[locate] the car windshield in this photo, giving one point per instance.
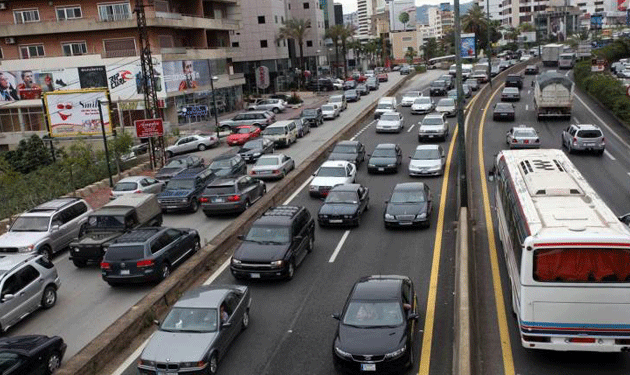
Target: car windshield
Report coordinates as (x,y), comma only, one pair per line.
(252,145)
(219,190)
(30,224)
(186,319)
(426,154)
(244,130)
(390,117)
(471,82)
(432,121)
(274,131)
(422,100)
(341,149)
(177,163)
(589,134)
(510,90)
(267,161)
(384,106)
(328,108)
(183,184)
(124,253)
(220,164)
(332,172)
(336,99)
(437,83)
(351,93)
(525,133)
(373,314)
(384,153)
(347,197)
(310,112)
(408,196)
(412,93)
(503,107)
(446,103)
(273,234)
(125,186)
(105,221)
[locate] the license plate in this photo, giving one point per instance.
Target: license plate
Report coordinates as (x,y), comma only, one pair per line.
(161,373)
(381,169)
(589,144)
(504,114)
(171,207)
(431,136)
(405,223)
(254,275)
(368,366)
(124,272)
(526,141)
(336,221)
(218,200)
(264,172)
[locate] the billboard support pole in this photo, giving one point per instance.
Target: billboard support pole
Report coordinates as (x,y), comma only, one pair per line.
(461,136)
(489,44)
(52,146)
(109,170)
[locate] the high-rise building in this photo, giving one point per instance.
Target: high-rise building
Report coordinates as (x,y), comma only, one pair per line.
(365,10)
(328,8)
(338,14)
(50,46)
(496,7)
(435,21)
(351,19)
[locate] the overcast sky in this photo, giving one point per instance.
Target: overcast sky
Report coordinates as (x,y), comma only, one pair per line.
(350,6)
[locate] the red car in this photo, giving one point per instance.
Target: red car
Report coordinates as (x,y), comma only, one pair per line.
(243,134)
(382,77)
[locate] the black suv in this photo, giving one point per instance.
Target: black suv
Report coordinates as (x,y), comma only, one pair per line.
(438,88)
(322,84)
(228,165)
(313,116)
(31,354)
(514,80)
(182,192)
(277,242)
(148,254)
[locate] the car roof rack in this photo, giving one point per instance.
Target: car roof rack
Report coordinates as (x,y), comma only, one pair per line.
(139,235)
(287,211)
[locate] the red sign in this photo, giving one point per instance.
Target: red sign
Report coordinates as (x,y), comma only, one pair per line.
(149,128)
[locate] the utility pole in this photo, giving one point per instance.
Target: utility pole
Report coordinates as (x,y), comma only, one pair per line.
(148,83)
(461,136)
(488,45)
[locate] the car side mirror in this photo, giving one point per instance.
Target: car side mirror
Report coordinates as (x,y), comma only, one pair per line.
(491,174)
(241,237)
(298,238)
(54,228)
(156,322)
(7,297)
(336,316)
(413,315)
(625,219)
(226,325)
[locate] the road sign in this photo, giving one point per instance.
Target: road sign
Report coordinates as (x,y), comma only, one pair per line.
(262,77)
(148,128)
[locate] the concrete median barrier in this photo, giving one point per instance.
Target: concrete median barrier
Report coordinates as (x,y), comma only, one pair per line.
(139,318)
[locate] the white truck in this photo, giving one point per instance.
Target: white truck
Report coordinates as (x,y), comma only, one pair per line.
(553,95)
(551,54)
(584,50)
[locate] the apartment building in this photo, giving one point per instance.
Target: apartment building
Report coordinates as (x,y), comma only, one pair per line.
(47,46)
(338,13)
(351,19)
(365,11)
(314,40)
(435,22)
(496,8)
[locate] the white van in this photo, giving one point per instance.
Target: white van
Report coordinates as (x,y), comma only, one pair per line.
(282,132)
(385,104)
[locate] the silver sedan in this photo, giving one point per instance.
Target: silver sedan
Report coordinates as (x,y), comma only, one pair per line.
(190,143)
(390,122)
(522,137)
(136,184)
(272,166)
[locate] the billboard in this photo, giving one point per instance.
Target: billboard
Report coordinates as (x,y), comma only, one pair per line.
(396,8)
(149,128)
(184,75)
(596,21)
(76,112)
(467,48)
(622,5)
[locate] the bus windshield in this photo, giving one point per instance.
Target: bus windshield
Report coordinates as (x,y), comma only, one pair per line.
(571,265)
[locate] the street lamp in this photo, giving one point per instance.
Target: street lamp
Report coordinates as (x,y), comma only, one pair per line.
(317,68)
(214,104)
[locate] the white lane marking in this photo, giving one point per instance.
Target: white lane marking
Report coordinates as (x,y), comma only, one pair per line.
(529,92)
(609,155)
(217,272)
(411,127)
(567,73)
(603,123)
(576,120)
(362,130)
(339,245)
(295,193)
(527,107)
(131,359)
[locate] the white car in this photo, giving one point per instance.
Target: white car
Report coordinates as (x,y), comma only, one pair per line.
(338,84)
(390,122)
(193,142)
(433,127)
(331,174)
(272,166)
(409,97)
(330,111)
(446,106)
(427,160)
(422,105)
(339,100)
(136,184)
(369,73)
(525,57)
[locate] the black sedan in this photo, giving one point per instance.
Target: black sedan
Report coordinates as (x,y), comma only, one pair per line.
(253,149)
(313,116)
(531,69)
(148,254)
(376,331)
(178,164)
(504,112)
(352,95)
(32,354)
(344,205)
(228,165)
(352,151)
(387,157)
(229,195)
(362,89)
(410,205)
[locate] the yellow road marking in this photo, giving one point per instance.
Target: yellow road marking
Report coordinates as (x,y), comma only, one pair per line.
(506,346)
(427,339)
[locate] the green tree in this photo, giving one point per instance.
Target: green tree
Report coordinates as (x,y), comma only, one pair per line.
(347,32)
(475,21)
(403,17)
(512,34)
(410,54)
(526,27)
(334,33)
(430,49)
(30,155)
(295,29)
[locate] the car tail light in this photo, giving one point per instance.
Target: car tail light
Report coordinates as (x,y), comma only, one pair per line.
(574,140)
(276,171)
(252,172)
(514,140)
(145,263)
(204,200)
(106,266)
(234,198)
(137,192)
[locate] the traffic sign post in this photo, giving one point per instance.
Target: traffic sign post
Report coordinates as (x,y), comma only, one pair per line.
(148,128)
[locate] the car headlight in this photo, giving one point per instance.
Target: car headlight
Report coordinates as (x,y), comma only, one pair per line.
(236,261)
(391,165)
(389,217)
(371,165)
(146,362)
(188,365)
(26,249)
(421,216)
(396,353)
(75,249)
(277,263)
(347,216)
(184,200)
(323,216)
(341,353)
(257,154)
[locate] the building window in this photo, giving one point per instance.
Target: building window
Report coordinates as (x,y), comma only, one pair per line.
(284,42)
(261,19)
(166,41)
(69,13)
(1,54)
(114,12)
(26,15)
(307,5)
(289,6)
(406,39)
(119,47)
(235,44)
(32,51)
(276,19)
(263,44)
(309,43)
(282,19)
(74,48)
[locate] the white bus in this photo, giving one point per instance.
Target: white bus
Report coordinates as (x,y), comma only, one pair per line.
(567,255)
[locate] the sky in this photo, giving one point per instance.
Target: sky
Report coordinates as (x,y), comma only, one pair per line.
(350,6)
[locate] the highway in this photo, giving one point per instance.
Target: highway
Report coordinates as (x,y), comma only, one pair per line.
(86,305)
(291,329)
(500,350)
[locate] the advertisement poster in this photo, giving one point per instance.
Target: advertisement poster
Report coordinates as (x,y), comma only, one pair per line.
(467,48)
(92,77)
(186,75)
(558,28)
(596,21)
(622,5)
(72,113)
(125,78)
(29,84)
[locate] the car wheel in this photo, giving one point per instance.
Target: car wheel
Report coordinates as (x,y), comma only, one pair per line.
(169,154)
(214,364)
(53,362)
(49,298)
(79,263)
(201,147)
(194,205)
(46,251)
(247,205)
(165,271)
(562,142)
(291,270)
(411,359)
(570,148)
(311,243)
(367,206)
(276,110)
(600,152)
(226,128)
(245,320)
(197,246)
(284,173)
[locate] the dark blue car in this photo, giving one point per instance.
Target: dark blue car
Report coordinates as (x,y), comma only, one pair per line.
(182,192)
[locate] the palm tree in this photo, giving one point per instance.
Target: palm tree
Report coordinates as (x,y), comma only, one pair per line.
(429,48)
(526,27)
(474,21)
(346,33)
(410,54)
(295,29)
(334,33)
(403,17)
(512,34)
(358,49)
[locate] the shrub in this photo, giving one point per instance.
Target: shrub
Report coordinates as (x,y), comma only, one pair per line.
(421,68)
(294,99)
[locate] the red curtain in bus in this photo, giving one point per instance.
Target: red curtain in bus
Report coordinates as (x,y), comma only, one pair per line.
(581,265)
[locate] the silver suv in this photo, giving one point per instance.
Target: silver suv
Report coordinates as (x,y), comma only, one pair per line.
(274,105)
(27,282)
(584,137)
(47,228)
(259,118)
